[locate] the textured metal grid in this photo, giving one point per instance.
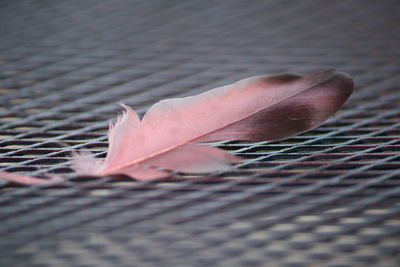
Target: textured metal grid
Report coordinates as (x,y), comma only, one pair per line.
(329,197)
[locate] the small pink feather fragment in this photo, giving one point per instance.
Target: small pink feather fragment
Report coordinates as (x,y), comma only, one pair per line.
(259,108)
(21,179)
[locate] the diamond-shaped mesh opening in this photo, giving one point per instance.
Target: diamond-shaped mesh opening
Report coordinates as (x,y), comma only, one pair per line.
(328,197)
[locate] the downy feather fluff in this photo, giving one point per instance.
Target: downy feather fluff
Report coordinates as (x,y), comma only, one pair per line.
(259,108)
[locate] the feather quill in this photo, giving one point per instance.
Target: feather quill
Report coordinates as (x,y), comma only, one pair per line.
(259,108)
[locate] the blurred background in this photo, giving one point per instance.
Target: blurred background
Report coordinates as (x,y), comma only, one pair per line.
(329,197)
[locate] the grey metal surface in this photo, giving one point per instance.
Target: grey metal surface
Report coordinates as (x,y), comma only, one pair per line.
(328,197)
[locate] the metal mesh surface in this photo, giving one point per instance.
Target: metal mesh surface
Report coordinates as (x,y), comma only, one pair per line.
(328,197)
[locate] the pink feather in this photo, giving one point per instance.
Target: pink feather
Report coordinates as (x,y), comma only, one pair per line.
(254,109)
(257,108)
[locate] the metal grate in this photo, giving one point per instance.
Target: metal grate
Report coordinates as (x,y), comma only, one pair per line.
(328,197)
